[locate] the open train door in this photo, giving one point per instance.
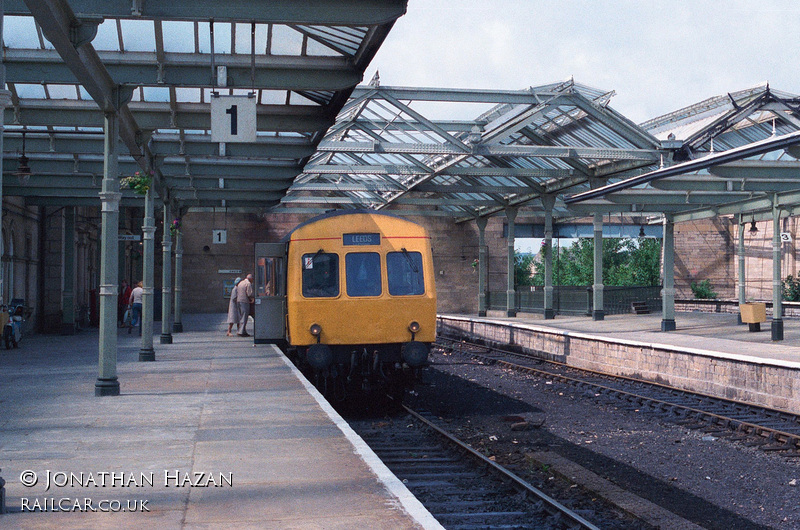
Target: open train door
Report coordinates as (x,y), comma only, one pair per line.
(270,293)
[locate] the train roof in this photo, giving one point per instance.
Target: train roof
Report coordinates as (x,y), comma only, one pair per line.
(337,213)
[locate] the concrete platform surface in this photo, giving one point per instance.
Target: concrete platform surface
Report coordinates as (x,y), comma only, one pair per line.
(217,433)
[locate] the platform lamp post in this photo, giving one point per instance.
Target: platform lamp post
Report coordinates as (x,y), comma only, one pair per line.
(482,265)
(598,312)
(166,287)
(107,383)
(177,324)
(148,353)
(5,102)
(777,287)
(511,293)
(742,292)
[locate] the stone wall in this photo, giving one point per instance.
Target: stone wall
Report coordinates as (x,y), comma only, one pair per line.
(758,381)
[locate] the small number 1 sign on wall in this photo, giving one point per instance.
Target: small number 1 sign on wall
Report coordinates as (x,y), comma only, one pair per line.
(233,119)
(220,237)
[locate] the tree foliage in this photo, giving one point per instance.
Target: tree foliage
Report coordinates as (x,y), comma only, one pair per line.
(625,262)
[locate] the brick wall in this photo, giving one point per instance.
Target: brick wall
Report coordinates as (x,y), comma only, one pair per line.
(704,250)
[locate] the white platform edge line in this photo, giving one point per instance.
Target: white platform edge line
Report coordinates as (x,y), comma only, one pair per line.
(794,365)
(407,500)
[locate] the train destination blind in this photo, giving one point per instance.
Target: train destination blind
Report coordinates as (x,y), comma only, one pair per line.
(361,239)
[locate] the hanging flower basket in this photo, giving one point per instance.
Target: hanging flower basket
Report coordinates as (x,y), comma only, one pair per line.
(138,183)
(175,227)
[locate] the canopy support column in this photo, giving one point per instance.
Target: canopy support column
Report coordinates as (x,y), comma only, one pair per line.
(777,287)
(548,201)
(598,313)
(742,293)
(511,294)
(107,383)
(68,294)
(148,353)
(177,325)
(166,283)
(668,292)
(482,265)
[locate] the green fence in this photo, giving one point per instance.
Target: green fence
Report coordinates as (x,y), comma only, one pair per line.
(570,300)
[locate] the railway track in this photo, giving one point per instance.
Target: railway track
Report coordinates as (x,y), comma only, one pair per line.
(461,488)
(769,429)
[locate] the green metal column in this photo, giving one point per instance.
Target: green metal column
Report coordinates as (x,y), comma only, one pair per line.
(482,265)
(147,353)
(777,287)
(511,294)
(742,292)
(68,294)
(177,325)
(107,383)
(547,248)
(5,101)
(166,283)
(668,292)
(598,313)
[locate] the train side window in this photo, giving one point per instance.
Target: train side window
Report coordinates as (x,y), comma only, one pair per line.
(320,275)
(363,273)
(404,270)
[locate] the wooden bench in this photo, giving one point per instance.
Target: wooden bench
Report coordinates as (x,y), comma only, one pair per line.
(753,315)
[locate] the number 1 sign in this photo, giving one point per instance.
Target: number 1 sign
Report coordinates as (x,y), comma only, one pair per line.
(233,119)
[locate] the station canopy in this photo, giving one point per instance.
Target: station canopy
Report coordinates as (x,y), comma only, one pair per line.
(159,64)
(325,143)
(727,154)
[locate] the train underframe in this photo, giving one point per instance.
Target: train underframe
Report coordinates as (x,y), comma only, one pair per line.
(363,376)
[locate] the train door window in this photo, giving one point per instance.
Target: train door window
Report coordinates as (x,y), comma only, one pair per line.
(363,273)
(404,270)
(268,272)
(320,275)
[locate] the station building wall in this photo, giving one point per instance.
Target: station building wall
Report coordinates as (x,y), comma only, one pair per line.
(705,250)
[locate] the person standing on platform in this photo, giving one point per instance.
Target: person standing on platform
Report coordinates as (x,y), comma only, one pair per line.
(136,307)
(233,310)
(244,297)
(122,302)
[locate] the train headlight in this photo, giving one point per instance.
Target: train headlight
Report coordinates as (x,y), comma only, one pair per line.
(315,330)
(413,327)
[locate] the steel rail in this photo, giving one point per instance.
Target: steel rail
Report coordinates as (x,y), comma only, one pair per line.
(553,504)
(790,440)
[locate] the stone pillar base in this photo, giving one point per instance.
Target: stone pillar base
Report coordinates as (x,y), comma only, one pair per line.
(481,313)
(739,319)
(106,387)
(511,312)
(668,325)
(147,355)
(166,338)
(177,327)
(598,314)
(777,329)
(549,314)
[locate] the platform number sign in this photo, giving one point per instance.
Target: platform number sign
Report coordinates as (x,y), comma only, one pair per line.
(233,119)
(220,237)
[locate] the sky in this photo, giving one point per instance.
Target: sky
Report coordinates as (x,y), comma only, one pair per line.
(658,56)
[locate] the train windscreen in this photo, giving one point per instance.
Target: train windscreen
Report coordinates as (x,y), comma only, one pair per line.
(320,275)
(363,273)
(404,270)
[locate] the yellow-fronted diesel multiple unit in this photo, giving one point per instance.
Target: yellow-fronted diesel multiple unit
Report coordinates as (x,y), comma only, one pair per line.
(360,295)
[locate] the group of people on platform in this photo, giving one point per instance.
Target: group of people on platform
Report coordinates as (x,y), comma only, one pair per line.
(242,298)
(130,302)
(129,306)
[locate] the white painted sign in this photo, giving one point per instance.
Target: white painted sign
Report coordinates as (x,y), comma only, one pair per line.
(129,237)
(786,237)
(229,271)
(220,237)
(233,119)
